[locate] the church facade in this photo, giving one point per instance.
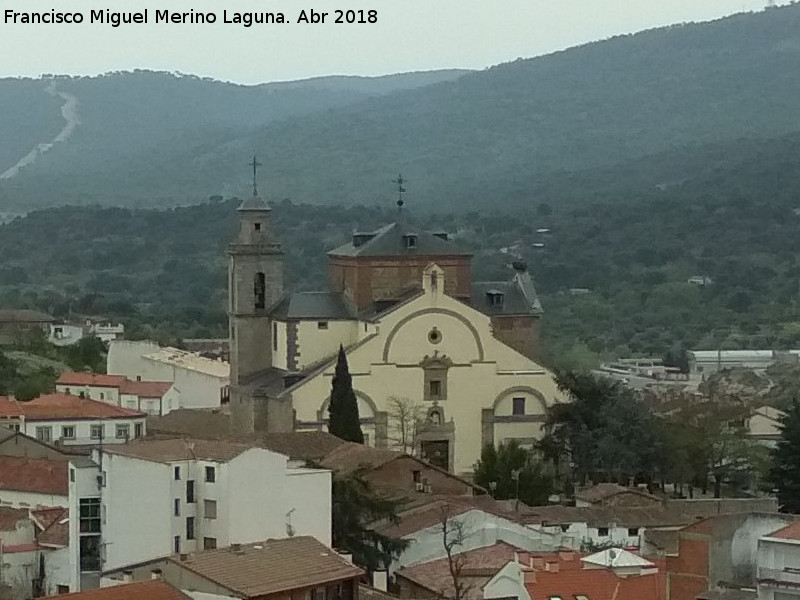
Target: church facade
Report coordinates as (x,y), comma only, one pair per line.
(440,364)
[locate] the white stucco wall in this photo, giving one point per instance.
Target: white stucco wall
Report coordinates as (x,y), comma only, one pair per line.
(509,582)
(17,499)
(484,371)
(315,344)
(99,393)
(83,430)
(309,496)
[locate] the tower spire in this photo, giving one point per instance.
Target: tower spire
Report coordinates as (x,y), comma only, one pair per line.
(255,164)
(400,191)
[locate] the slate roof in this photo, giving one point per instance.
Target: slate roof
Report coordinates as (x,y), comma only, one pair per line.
(390,241)
(150,590)
(37,475)
(171,450)
(313,305)
(514,301)
(267,567)
(63,407)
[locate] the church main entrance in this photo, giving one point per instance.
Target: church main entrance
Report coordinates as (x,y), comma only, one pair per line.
(436,452)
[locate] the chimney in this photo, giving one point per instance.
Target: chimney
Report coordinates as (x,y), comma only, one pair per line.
(380,581)
(155,574)
(236,547)
(127,576)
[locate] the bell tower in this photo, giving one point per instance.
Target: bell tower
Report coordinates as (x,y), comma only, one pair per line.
(255,284)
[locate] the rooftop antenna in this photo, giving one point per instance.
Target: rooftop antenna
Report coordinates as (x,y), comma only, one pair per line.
(400,191)
(255,164)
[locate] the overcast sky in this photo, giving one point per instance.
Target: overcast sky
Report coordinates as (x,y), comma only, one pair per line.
(410,35)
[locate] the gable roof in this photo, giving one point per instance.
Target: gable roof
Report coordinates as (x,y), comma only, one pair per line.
(604,491)
(790,532)
(313,305)
(37,475)
(617,558)
(58,407)
(54,523)
(267,567)
(145,389)
(170,450)
(390,240)
(156,589)
(90,379)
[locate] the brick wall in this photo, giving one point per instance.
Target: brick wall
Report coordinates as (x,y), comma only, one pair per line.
(687,573)
(519,332)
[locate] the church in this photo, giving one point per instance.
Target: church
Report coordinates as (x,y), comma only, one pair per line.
(440,364)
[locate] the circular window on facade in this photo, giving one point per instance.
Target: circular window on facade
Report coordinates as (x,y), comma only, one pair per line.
(434,336)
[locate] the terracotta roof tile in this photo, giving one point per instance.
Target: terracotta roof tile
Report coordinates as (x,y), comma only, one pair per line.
(595,584)
(63,407)
(169,450)
(349,457)
(55,526)
(91,379)
(790,532)
(604,491)
(269,567)
(145,389)
(9,517)
(149,590)
(304,445)
(39,475)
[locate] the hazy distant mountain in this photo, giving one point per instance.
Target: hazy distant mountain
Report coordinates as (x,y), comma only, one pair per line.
(619,112)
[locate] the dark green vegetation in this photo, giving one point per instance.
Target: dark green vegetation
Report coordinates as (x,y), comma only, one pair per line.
(786,469)
(355,507)
(624,115)
(343,408)
(511,472)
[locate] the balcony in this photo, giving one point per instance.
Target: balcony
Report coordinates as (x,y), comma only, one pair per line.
(779,577)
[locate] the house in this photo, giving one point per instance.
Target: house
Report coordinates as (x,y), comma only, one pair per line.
(764,425)
(295,568)
(779,564)
(152,397)
(461,355)
(15,325)
(199,382)
(35,551)
(71,420)
(204,494)
(720,552)
(154,589)
(16,444)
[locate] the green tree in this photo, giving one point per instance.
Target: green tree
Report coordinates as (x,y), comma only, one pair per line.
(510,471)
(343,408)
(8,374)
(785,472)
(86,353)
(355,508)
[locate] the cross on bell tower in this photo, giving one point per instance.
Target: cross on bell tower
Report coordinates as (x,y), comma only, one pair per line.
(255,164)
(400,191)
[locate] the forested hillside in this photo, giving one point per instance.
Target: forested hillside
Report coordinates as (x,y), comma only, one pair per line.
(163,272)
(542,127)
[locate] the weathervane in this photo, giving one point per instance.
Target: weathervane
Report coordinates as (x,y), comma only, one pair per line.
(255,164)
(400,190)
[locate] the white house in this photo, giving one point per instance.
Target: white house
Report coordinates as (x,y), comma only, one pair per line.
(779,564)
(71,420)
(177,496)
(199,382)
(153,397)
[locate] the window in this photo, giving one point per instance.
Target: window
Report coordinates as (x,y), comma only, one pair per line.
(82,394)
(494,298)
(137,430)
(66,391)
(602,531)
(435,389)
(177,507)
(210,509)
(411,241)
(190,491)
(209,543)
(633,531)
(177,472)
(96,432)
(260,290)
(90,552)
(89,515)
(68,432)
(518,406)
(565,528)
(434,336)
(257,226)
(102,396)
(189,528)
(44,434)
(138,378)
(416,476)
(72,475)
(176,545)
(322,324)
(275,335)
(211,474)
(123,431)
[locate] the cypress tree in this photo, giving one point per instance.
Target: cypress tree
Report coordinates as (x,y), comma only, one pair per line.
(343,408)
(786,461)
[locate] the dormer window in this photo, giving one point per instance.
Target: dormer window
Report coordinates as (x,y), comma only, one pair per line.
(411,240)
(495,298)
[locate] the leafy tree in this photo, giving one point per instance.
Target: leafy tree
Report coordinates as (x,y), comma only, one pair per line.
(512,472)
(86,353)
(343,408)
(786,456)
(8,373)
(355,508)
